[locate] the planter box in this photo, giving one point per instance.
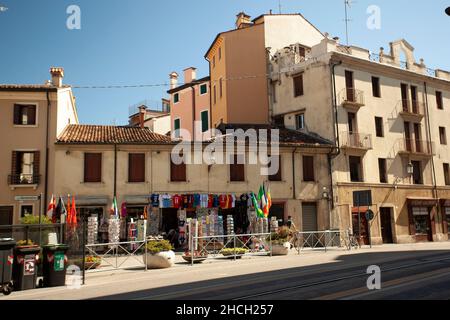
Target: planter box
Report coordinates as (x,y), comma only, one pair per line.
(162,260)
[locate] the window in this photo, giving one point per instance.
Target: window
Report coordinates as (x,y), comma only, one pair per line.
(177,172)
(205,121)
(24,115)
(92,167)
(379,127)
(421,217)
(439,100)
(176,98)
(136,167)
(355,169)
(203,89)
(376,89)
(215,95)
(383,171)
(447,174)
(417,175)
(26,210)
(300,121)
(220,88)
(298,85)
(214,62)
(237,169)
(443,135)
(25,168)
(220,53)
(277,176)
(447,214)
(308,169)
(176,127)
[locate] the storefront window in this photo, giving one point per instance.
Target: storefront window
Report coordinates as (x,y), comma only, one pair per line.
(421,220)
(447,214)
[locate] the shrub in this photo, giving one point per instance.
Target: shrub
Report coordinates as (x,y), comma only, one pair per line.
(233,251)
(154,247)
(31,219)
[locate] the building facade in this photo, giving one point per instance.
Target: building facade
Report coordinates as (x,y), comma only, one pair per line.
(31,118)
(389,120)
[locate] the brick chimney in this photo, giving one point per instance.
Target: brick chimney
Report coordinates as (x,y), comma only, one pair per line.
(57,76)
(242,20)
(142,110)
(173,80)
(190,74)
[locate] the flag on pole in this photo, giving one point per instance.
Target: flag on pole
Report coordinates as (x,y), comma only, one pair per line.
(69,211)
(73,214)
(51,208)
(259,212)
(269,202)
(114,209)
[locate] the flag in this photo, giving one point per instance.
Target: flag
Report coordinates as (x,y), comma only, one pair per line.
(259,212)
(114,208)
(123,209)
(269,198)
(51,208)
(59,211)
(69,211)
(73,214)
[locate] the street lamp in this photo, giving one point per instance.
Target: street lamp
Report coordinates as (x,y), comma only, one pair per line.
(410,168)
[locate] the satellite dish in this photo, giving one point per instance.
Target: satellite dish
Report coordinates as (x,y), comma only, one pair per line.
(447,11)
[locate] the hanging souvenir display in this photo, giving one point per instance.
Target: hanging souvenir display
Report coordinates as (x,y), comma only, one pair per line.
(141,230)
(92,229)
(182,227)
(113,231)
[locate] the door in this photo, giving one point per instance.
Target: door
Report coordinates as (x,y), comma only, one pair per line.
(386,225)
(6,219)
(405,97)
(349,86)
(309,221)
(408,137)
(277,210)
(360,227)
(422,224)
(352,130)
(417,137)
(414,99)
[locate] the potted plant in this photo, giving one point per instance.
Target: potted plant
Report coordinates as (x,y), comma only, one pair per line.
(159,255)
(199,256)
(92,262)
(280,242)
(231,252)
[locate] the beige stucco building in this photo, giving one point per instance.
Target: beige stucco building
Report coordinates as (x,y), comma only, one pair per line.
(31,117)
(388,118)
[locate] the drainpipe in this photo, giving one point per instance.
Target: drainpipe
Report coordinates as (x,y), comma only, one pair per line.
(433,169)
(46,156)
(193,112)
(115,170)
(294,190)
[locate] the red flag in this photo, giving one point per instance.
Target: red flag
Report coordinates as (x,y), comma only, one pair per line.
(69,213)
(51,208)
(73,214)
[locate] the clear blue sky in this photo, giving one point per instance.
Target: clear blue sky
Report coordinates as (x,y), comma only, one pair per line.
(141,41)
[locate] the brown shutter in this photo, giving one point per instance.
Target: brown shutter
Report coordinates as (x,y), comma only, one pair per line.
(93,167)
(14,166)
(177,172)
(17,119)
(298,85)
(277,176)
(237,171)
(36,166)
(308,169)
(31,112)
(136,167)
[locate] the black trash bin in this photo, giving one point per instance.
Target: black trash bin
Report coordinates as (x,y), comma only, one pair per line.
(25,267)
(55,265)
(6,265)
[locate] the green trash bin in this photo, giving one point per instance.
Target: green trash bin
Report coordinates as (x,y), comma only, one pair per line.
(6,265)
(25,267)
(55,265)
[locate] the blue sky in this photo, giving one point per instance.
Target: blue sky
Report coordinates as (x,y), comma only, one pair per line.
(142,41)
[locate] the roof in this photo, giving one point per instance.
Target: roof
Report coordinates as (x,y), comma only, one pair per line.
(30,87)
(287,137)
(188,85)
(94,134)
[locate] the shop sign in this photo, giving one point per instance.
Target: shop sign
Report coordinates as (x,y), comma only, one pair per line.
(58,263)
(26,198)
(370,215)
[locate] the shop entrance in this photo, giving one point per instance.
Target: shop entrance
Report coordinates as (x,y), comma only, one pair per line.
(6,219)
(386,225)
(309,217)
(277,210)
(422,224)
(169,219)
(447,218)
(360,226)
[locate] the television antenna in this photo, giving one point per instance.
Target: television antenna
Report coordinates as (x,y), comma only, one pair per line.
(348,5)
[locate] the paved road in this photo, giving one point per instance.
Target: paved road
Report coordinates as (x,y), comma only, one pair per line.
(416,276)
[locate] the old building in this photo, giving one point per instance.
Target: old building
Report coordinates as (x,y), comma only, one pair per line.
(31,117)
(388,115)
(190,109)
(156,119)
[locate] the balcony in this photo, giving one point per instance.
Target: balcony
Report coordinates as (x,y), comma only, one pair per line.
(411,110)
(352,99)
(23,180)
(412,147)
(359,142)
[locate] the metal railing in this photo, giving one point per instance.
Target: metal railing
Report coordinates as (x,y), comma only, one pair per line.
(411,107)
(352,96)
(356,140)
(23,179)
(37,233)
(416,146)
(205,247)
(323,240)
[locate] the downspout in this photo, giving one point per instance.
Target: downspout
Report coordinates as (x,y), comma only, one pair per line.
(294,190)
(47,134)
(433,169)
(115,170)
(193,113)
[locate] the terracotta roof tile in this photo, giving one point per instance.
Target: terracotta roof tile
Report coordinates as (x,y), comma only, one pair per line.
(94,134)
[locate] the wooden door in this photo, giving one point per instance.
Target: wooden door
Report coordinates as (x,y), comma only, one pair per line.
(405,97)
(408,137)
(349,86)
(417,137)
(386,225)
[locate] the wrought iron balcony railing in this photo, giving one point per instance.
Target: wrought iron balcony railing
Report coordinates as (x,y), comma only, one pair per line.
(356,140)
(352,96)
(24,179)
(408,107)
(416,146)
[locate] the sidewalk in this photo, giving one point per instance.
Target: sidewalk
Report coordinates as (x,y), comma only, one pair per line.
(99,284)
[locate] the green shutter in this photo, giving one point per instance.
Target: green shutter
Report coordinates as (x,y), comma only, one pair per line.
(205,121)
(176,98)
(203,89)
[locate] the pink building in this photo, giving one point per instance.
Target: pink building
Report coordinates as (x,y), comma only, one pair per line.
(190,103)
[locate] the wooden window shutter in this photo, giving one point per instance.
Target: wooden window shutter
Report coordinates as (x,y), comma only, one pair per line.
(36,165)
(277,176)
(93,167)
(237,171)
(17,112)
(308,169)
(14,164)
(31,113)
(136,167)
(298,85)
(177,172)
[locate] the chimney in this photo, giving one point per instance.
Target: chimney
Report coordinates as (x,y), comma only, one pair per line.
(57,76)
(173,80)
(190,74)
(142,110)
(243,20)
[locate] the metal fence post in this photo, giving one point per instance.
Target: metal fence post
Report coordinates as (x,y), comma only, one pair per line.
(271,245)
(145,253)
(234,246)
(326,240)
(192,248)
(83,248)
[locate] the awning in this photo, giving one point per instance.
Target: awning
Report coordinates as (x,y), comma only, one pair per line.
(89,201)
(422,201)
(142,199)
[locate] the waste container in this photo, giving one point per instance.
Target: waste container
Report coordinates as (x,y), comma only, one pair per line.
(55,265)
(6,265)
(25,267)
